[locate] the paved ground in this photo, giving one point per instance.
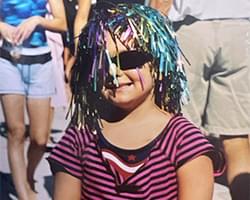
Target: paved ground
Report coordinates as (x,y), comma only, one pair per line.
(43,174)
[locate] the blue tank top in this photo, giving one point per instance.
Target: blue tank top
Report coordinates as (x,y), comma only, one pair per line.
(13,12)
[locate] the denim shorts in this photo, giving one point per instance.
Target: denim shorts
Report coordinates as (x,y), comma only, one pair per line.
(35,80)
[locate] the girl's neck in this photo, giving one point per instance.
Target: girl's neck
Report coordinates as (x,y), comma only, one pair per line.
(137,128)
(119,115)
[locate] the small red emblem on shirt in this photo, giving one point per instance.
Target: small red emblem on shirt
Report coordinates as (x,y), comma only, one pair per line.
(131,157)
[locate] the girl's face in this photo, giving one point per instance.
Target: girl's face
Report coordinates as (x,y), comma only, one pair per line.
(135,82)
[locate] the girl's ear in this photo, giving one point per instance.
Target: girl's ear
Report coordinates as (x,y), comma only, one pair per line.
(153,71)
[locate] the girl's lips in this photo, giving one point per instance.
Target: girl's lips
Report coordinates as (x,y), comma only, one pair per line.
(121,85)
(124,84)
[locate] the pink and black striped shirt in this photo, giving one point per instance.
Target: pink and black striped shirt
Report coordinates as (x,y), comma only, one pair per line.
(78,154)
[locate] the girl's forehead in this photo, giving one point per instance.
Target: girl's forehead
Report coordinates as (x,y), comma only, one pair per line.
(114,45)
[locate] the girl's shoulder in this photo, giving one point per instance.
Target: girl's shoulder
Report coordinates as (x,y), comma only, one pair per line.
(181,125)
(78,136)
(184,142)
(178,132)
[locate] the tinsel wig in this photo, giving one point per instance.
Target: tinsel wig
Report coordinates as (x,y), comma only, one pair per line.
(150,33)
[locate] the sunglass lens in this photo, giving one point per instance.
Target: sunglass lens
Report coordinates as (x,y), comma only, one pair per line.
(132,59)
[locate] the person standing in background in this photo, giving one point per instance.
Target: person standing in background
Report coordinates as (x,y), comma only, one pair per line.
(59,99)
(215,38)
(26,75)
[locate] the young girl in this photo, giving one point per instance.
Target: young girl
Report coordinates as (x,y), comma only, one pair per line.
(128,139)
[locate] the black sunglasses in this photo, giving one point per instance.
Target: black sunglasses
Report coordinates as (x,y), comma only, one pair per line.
(132,59)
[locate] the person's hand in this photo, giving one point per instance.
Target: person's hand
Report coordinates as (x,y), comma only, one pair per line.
(25,29)
(7,32)
(68,67)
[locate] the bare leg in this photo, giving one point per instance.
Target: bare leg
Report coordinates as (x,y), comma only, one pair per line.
(13,107)
(51,119)
(237,152)
(38,111)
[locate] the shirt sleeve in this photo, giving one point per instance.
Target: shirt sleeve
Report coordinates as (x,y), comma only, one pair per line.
(191,143)
(65,156)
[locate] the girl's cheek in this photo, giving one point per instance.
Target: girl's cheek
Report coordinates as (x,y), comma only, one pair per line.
(141,78)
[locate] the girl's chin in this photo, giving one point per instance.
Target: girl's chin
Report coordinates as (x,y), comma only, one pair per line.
(125,104)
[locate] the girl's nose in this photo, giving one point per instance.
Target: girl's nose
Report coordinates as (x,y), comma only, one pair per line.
(119,72)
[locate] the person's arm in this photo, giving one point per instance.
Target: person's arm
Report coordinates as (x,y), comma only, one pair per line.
(81,18)
(57,23)
(66,187)
(161,5)
(195,179)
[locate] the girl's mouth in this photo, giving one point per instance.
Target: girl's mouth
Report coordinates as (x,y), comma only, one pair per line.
(112,86)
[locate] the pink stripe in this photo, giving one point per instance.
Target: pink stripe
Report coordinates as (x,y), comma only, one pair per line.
(85,136)
(97,182)
(188,147)
(71,131)
(165,188)
(89,196)
(193,154)
(92,150)
(78,135)
(103,194)
(93,156)
(69,157)
(99,173)
(188,135)
(169,141)
(66,165)
(155,178)
(171,195)
(152,168)
(98,166)
(149,180)
(68,139)
(61,146)
(82,137)
(191,137)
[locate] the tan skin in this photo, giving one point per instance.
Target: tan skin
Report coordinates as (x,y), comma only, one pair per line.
(37,109)
(161,5)
(81,17)
(195,178)
(237,153)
